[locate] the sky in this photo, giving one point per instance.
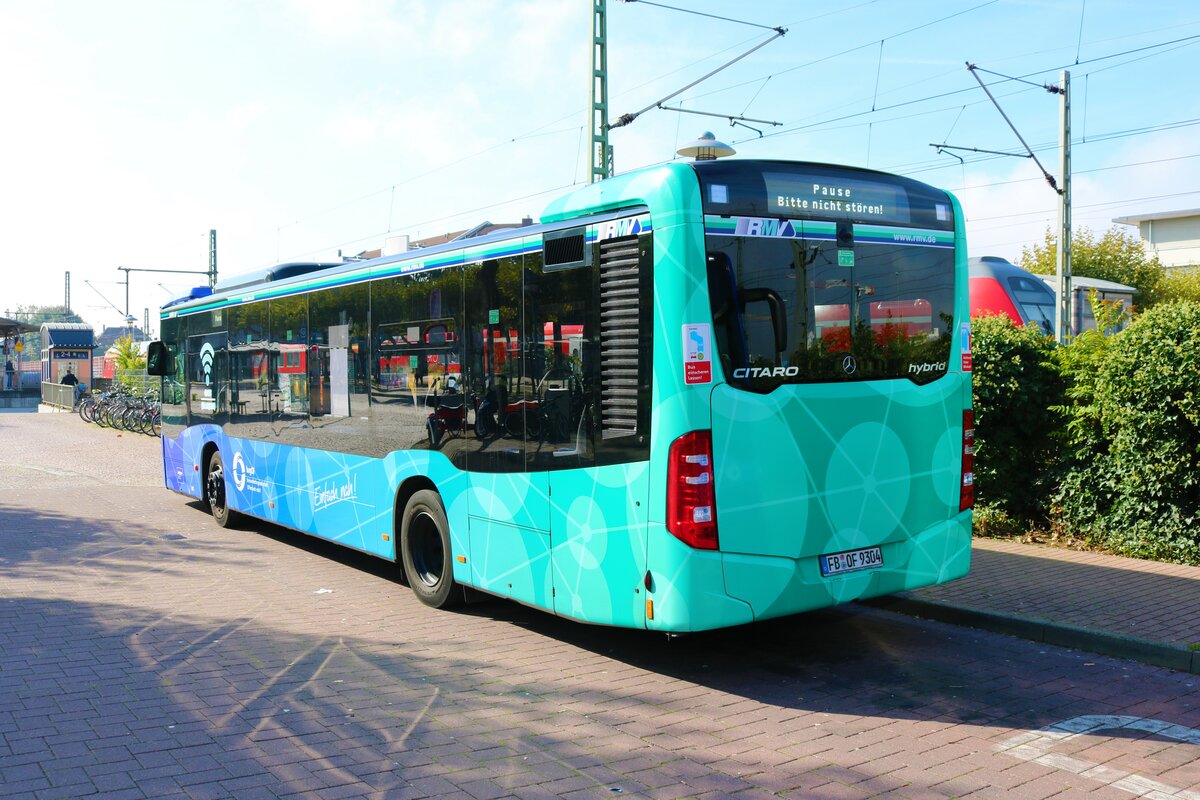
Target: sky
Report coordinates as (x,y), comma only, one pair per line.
(301,129)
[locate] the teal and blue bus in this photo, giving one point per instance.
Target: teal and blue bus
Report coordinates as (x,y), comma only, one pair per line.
(691,396)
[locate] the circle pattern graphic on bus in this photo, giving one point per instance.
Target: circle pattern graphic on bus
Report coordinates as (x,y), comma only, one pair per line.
(869,463)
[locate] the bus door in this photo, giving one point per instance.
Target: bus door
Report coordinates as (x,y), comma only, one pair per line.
(208,391)
(509,503)
(592,324)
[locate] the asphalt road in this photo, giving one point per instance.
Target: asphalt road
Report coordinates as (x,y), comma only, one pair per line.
(145,652)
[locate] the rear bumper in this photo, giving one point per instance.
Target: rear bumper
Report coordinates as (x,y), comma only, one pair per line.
(775,587)
(706,590)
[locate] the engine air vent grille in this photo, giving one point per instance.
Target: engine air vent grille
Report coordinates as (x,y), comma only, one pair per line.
(620,334)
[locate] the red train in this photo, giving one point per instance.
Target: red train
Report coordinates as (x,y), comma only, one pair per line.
(1001,287)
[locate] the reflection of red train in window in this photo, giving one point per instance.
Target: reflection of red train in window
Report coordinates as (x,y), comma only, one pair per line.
(412,354)
(569,340)
(889,320)
(292,359)
(415,351)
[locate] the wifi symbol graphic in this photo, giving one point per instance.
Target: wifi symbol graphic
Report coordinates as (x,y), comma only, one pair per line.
(206,362)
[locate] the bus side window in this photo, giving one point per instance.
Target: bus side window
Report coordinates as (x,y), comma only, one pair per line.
(289,378)
(494,367)
(562,340)
(416,328)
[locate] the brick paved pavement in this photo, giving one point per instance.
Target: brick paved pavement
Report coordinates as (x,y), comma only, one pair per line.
(144,652)
(1106,604)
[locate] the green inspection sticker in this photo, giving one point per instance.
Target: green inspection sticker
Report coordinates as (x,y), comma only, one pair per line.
(845,258)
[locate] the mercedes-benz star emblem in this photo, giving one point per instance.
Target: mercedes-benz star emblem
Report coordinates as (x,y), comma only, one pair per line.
(849,365)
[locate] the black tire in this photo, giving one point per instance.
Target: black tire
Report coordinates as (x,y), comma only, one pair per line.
(214,492)
(485,420)
(425,551)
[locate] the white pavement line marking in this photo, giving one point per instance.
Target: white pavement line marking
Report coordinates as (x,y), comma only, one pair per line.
(1035,746)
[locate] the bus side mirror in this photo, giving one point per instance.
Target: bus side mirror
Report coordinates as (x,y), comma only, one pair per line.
(157,359)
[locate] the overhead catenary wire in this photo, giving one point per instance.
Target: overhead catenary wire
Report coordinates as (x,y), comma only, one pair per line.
(1182,41)
(1121,202)
(1156,48)
(535,131)
(847,51)
(703,14)
(625,119)
(913,168)
(1111,167)
(1049,178)
(1079,39)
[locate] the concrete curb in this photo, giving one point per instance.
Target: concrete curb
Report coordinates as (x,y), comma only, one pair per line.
(1158,654)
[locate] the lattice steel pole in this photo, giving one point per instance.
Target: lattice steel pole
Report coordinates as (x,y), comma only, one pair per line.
(212,258)
(602,154)
(1064,316)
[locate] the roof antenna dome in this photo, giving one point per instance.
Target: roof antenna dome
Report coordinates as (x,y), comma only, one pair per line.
(706,148)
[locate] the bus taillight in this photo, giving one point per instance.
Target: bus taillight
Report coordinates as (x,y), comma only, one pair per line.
(691,498)
(966,492)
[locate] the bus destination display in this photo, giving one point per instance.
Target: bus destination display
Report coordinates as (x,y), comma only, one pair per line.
(789,194)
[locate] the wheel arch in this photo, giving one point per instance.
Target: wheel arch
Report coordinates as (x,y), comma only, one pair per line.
(206,454)
(207,451)
(404,493)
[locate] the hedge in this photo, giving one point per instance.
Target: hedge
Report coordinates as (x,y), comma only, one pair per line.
(1099,438)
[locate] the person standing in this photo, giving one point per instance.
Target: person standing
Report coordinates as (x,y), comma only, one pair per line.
(9,373)
(70,380)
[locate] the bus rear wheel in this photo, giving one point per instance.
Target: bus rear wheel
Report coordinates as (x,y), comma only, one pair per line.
(214,492)
(425,551)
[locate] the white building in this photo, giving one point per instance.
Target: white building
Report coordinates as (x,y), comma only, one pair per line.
(1173,236)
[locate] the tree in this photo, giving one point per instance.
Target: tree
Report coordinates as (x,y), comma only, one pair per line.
(1117,256)
(1181,284)
(129,356)
(35,315)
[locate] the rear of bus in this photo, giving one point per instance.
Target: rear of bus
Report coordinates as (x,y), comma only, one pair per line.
(833,367)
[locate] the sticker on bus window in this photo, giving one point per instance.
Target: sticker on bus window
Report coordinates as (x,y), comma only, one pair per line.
(965,346)
(697,353)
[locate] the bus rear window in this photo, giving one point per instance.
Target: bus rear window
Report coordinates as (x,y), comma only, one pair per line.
(828,308)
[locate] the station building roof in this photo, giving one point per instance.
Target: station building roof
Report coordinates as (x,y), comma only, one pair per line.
(68,334)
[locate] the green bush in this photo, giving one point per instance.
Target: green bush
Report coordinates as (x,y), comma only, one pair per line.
(1181,284)
(1016,382)
(1132,482)
(1080,363)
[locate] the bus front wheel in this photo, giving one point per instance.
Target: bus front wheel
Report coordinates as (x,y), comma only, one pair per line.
(425,550)
(214,491)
